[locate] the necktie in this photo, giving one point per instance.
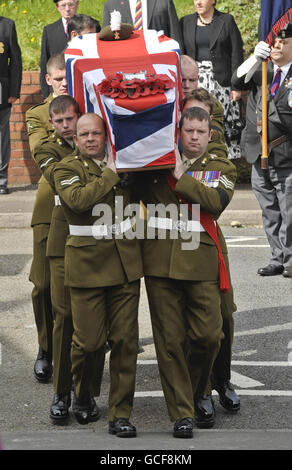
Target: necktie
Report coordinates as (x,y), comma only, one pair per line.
(66,28)
(138,16)
(276,82)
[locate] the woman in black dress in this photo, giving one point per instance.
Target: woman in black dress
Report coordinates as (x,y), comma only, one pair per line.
(213,39)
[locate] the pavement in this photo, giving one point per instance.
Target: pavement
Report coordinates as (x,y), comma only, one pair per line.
(16,208)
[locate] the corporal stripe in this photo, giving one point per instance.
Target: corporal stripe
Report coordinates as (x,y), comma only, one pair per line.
(225,181)
(70,181)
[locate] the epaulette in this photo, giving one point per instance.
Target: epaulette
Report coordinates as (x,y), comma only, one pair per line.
(220,159)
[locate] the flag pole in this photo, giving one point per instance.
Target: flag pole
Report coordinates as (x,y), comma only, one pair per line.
(264,156)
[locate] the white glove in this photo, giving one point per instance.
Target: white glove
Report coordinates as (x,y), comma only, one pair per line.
(262,51)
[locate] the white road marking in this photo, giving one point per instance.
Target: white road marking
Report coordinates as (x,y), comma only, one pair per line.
(248,246)
(263,393)
(243,381)
(245,353)
(239,239)
(265,329)
(150,362)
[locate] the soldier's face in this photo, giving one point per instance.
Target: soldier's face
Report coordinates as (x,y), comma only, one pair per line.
(190,78)
(281,51)
(57,80)
(195,136)
(65,123)
(90,137)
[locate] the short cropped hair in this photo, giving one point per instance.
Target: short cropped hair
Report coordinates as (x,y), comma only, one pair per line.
(61,103)
(199,94)
(56,61)
(195,113)
(79,22)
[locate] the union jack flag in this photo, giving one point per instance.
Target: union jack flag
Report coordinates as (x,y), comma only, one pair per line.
(142,127)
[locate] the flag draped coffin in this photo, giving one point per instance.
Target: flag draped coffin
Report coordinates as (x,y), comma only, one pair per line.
(135,86)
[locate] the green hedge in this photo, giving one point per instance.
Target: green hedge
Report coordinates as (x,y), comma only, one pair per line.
(31,16)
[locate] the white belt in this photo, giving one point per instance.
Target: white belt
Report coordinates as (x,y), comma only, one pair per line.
(179,225)
(57,201)
(101,230)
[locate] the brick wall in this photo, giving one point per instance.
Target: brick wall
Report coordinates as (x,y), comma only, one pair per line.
(22,169)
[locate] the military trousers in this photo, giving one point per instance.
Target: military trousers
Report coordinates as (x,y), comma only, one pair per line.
(63,331)
(222,365)
(106,314)
(41,295)
(4,145)
(187,330)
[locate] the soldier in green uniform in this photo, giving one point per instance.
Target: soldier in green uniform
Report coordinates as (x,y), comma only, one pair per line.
(221,372)
(64,113)
(103,268)
(183,284)
(38,128)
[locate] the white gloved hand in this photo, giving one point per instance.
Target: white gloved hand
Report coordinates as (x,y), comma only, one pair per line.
(262,51)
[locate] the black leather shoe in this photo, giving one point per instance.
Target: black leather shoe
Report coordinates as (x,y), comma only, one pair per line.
(228,398)
(204,412)
(183,428)
(270,270)
(122,428)
(43,366)
(4,190)
(60,407)
(287,272)
(85,411)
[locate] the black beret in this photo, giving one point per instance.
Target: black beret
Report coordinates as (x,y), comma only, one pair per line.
(286,32)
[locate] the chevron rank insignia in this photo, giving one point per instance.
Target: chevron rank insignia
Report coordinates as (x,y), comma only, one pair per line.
(208,178)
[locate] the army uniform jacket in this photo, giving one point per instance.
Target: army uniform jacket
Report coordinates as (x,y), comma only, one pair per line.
(165,257)
(47,154)
(217,144)
(91,260)
(38,129)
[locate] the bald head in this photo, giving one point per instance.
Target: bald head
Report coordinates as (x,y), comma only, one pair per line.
(190,74)
(90,136)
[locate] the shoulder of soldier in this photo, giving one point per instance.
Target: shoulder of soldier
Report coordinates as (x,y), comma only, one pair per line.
(38,109)
(220,161)
(72,160)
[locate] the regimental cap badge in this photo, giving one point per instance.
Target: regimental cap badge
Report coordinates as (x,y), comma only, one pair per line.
(286,32)
(116,30)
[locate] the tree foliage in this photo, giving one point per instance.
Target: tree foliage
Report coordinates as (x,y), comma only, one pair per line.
(31,16)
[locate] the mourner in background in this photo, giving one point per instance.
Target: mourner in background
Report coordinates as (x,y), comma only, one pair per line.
(270,185)
(146,14)
(10,83)
(54,38)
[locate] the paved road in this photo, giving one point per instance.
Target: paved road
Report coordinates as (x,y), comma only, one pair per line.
(261,369)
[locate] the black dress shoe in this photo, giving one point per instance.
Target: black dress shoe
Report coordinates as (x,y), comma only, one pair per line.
(287,272)
(4,190)
(43,366)
(122,428)
(60,407)
(85,411)
(204,412)
(228,398)
(270,270)
(183,428)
